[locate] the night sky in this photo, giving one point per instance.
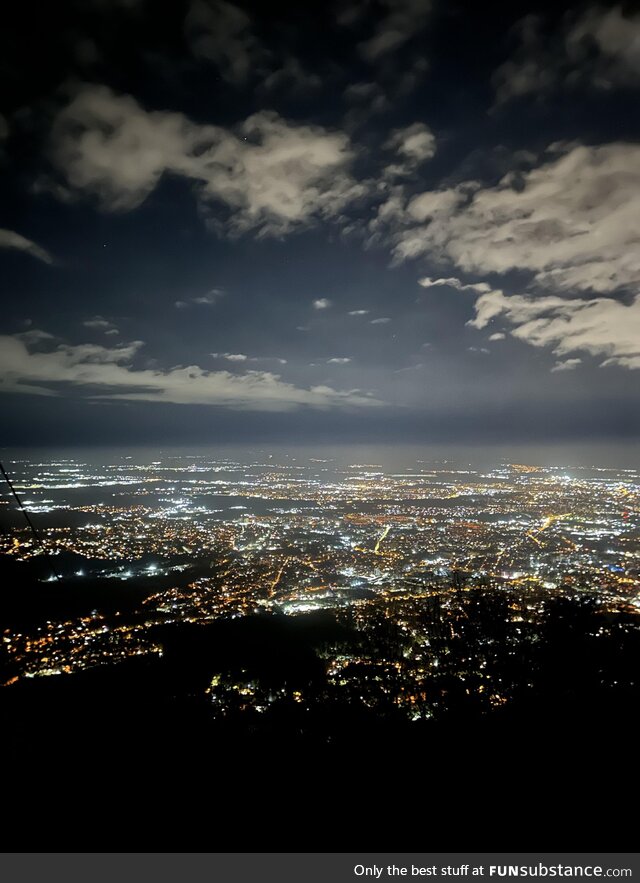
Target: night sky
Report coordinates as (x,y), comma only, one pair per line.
(371,221)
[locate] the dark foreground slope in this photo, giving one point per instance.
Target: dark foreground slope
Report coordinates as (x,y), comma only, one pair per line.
(148,755)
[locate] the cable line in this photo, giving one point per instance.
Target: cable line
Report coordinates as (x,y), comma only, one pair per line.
(37,536)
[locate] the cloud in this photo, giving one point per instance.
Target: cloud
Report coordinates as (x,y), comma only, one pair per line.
(411,76)
(230,357)
(241,357)
(414,145)
(292,77)
(99,323)
(533,67)
(599,326)
(222,33)
(382,321)
(453,282)
(616,37)
(338,361)
(572,222)
(267,175)
(349,13)
(362,91)
(210,299)
(399,217)
(497,336)
(322,303)
(416,367)
(358,312)
(567,365)
(102,373)
(12,240)
(597,48)
(402,20)
(366,99)
(34,336)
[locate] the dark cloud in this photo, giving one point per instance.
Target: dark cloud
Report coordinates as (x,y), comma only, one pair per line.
(597,48)
(223,33)
(401,21)
(9,239)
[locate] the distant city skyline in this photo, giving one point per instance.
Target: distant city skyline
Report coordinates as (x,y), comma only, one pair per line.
(386,222)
